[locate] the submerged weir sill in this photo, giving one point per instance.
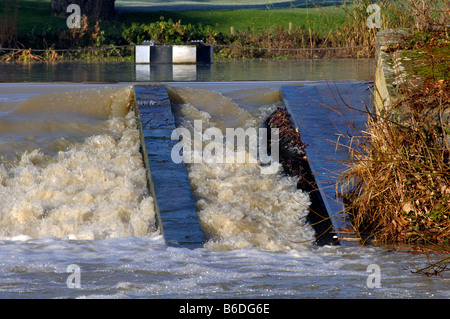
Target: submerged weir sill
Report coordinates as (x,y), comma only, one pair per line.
(168,182)
(329,116)
(320,129)
(143,150)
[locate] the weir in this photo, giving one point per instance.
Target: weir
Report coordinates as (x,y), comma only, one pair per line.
(321,112)
(328,117)
(168,182)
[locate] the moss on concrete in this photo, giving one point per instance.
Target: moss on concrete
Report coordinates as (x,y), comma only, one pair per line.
(433,63)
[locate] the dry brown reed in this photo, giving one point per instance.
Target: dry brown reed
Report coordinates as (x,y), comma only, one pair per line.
(397,190)
(82,43)
(21,56)
(354,40)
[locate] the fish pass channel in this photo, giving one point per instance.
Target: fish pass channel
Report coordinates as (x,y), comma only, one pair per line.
(81,199)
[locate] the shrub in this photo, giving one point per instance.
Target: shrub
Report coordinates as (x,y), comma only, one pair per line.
(397,189)
(167,32)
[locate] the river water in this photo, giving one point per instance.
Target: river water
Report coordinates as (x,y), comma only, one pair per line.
(76,220)
(302,70)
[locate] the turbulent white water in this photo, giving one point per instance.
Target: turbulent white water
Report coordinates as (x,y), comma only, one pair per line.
(238,206)
(75,195)
(76,171)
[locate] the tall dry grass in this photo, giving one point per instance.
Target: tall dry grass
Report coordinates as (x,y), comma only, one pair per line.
(352,40)
(397,188)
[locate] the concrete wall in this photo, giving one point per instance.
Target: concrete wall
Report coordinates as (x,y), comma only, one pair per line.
(389,75)
(174,54)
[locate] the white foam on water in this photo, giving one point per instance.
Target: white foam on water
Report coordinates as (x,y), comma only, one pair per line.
(145,267)
(91,188)
(239,207)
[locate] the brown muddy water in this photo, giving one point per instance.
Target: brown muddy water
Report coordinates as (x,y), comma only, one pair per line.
(73,194)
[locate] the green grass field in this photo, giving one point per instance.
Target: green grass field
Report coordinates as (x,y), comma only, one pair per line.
(33,14)
(258,26)
(319,19)
(37,15)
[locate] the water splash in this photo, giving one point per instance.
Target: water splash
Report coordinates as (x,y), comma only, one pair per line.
(238,206)
(91,187)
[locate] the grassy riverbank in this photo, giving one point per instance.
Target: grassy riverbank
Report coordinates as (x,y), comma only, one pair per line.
(397,189)
(262,33)
(320,19)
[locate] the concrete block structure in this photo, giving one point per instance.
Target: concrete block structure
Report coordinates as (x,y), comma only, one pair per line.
(150,52)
